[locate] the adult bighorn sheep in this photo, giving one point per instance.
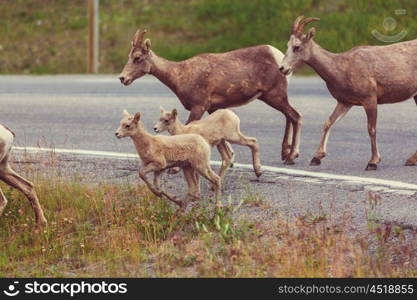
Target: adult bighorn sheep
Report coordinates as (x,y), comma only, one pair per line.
(365,75)
(207,82)
(10,177)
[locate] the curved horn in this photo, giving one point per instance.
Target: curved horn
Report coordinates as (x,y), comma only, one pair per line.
(138,38)
(304,22)
(296,24)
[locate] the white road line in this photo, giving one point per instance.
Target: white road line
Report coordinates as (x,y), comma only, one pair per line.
(392,184)
(110,80)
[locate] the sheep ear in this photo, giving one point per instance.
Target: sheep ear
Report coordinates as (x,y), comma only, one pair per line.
(311,33)
(161,109)
(174,113)
(146,46)
(137,117)
(125,113)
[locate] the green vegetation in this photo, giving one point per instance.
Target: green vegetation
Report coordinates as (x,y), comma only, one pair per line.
(120,230)
(50,36)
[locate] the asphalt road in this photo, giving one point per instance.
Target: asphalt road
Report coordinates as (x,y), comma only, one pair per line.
(83,112)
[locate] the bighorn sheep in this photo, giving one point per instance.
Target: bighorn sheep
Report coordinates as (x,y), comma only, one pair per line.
(365,75)
(10,177)
(221,126)
(207,82)
(188,151)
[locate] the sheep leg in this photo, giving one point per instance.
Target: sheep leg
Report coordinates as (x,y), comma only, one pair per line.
(151,167)
(230,153)
(228,147)
(196,113)
(196,179)
(226,162)
(287,140)
(156,179)
(192,192)
(19,177)
(252,143)
(11,178)
(412,161)
(295,118)
(3,202)
(371,113)
(280,102)
(206,171)
(339,112)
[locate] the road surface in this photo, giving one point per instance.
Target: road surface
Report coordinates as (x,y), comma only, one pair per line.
(83,112)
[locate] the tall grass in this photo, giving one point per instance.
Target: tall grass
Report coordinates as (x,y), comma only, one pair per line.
(48,36)
(119,229)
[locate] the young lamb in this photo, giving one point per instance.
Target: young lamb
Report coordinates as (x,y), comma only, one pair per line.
(218,128)
(189,152)
(10,177)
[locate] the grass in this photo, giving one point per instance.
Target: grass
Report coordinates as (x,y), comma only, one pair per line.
(119,229)
(50,36)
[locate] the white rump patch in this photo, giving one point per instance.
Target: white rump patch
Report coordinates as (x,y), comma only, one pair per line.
(279,56)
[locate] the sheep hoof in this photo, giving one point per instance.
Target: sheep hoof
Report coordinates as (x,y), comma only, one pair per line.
(285,152)
(181,209)
(289,161)
(258,173)
(371,167)
(193,198)
(232,164)
(42,223)
(315,161)
(410,162)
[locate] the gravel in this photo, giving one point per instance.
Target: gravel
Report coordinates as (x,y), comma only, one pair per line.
(262,198)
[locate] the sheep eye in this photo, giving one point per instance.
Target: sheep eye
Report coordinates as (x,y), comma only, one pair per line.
(296,48)
(166,121)
(136,60)
(127,126)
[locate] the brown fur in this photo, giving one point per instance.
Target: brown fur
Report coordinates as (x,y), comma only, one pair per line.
(11,178)
(208,82)
(364,76)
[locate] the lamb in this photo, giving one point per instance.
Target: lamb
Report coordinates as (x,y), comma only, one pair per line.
(157,153)
(10,177)
(218,128)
